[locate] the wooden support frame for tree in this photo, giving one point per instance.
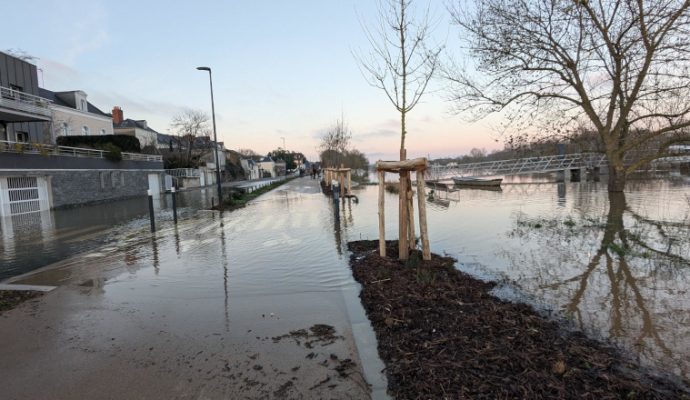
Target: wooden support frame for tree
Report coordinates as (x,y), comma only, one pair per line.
(406,228)
(341,175)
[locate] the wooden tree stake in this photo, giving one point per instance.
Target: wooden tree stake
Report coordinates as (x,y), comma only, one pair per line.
(403,250)
(421,199)
(382,214)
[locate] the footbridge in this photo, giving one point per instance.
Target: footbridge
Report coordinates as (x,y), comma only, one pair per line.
(532,165)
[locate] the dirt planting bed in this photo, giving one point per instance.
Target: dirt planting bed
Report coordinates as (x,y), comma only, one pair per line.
(442,335)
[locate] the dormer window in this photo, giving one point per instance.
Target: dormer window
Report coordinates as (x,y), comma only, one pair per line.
(83,105)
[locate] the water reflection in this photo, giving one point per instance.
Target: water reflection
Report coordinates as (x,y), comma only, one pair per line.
(623,275)
(31,241)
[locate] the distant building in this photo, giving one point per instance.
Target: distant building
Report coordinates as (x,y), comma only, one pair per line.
(267,167)
(250,167)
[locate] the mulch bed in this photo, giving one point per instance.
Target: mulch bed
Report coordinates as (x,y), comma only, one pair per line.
(442,335)
(12,298)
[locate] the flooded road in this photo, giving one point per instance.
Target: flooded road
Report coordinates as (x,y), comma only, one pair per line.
(616,267)
(219,306)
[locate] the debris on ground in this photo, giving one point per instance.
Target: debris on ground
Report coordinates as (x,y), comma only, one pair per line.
(9,299)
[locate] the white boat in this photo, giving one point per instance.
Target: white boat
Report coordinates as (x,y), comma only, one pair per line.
(472,181)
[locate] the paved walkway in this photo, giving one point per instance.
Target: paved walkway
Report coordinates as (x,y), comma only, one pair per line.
(220,306)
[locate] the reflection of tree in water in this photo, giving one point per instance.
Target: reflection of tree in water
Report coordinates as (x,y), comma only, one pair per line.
(627,272)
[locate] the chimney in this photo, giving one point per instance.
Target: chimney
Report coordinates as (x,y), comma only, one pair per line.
(117,115)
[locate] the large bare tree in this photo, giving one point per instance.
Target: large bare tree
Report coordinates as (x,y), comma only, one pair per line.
(619,67)
(402,60)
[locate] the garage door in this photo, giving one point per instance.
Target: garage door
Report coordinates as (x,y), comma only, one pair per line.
(23,195)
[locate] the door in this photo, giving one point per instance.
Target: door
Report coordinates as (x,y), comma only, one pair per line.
(155,185)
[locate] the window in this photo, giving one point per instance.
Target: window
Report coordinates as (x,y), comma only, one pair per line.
(102,132)
(85,130)
(22,137)
(65,129)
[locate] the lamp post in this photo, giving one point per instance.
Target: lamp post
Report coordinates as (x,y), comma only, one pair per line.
(215,138)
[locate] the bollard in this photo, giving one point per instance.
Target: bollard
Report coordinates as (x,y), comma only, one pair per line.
(153,222)
(174,201)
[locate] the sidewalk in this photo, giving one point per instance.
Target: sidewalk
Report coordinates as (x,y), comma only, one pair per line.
(219,307)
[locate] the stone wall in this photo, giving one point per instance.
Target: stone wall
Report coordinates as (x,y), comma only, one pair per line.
(81,187)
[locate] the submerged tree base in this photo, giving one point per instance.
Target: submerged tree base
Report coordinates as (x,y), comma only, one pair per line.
(443,335)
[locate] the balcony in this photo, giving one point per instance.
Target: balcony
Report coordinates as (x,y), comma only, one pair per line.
(16,106)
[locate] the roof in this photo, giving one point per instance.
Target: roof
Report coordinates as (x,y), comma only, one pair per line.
(266,159)
(131,123)
(59,99)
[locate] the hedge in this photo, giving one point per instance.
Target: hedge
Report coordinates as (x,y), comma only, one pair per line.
(126,143)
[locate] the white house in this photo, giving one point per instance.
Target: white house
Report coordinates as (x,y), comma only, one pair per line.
(74,115)
(267,167)
(250,167)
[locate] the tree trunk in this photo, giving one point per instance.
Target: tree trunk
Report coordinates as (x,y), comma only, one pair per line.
(617,177)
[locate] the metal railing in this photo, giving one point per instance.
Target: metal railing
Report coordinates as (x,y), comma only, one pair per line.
(24,102)
(522,165)
(183,172)
(531,165)
(55,150)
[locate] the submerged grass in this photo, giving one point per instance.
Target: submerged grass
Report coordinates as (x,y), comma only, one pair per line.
(238,199)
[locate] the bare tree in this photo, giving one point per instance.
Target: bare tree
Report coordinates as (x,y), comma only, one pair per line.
(335,142)
(402,61)
(619,67)
(247,153)
(188,125)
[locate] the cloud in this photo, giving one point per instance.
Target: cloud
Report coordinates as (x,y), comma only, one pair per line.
(379,133)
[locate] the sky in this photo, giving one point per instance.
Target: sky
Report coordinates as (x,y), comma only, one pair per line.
(281,69)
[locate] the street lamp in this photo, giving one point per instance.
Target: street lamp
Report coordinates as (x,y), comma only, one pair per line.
(215,138)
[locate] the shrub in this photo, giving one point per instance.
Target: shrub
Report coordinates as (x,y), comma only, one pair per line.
(113,153)
(122,142)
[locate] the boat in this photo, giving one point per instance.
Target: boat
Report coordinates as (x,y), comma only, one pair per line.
(478,182)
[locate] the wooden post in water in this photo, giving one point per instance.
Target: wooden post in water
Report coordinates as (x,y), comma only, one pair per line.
(382,214)
(349,182)
(421,201)
(341,178)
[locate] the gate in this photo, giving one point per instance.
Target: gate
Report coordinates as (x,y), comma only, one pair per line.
(23,195)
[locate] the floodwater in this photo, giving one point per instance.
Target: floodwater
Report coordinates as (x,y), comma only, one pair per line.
(210,293)
(616,267)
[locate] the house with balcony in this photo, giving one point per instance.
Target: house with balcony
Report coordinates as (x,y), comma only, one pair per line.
(37,175)
(23,112)
(74,115)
